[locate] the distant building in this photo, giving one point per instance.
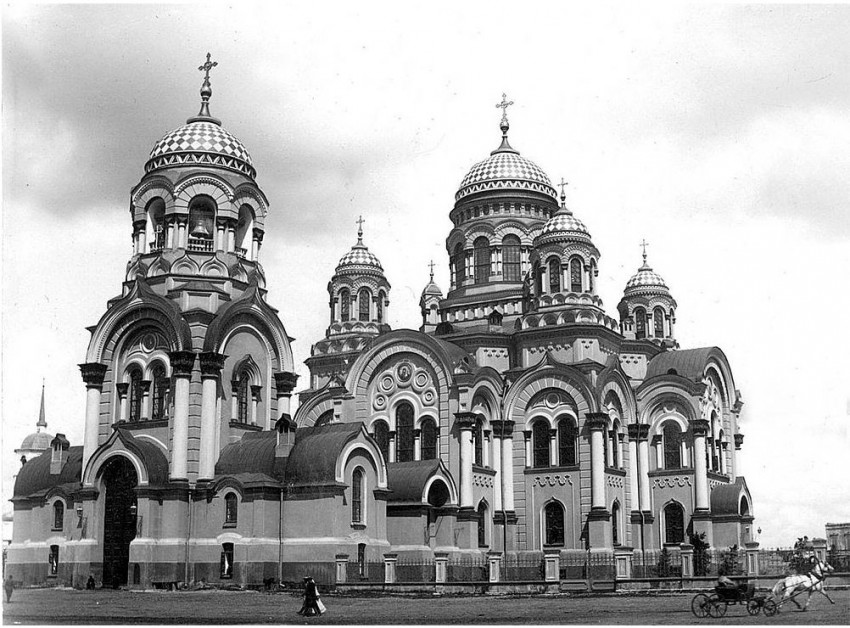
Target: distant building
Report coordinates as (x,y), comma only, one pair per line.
(838,536)
(38,442)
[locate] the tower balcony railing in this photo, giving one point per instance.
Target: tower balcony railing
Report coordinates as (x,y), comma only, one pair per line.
(200,244)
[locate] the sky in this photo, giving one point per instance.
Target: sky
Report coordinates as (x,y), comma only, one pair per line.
(718,133)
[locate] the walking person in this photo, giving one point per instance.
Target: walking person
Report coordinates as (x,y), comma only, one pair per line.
(312,602)
(9,586)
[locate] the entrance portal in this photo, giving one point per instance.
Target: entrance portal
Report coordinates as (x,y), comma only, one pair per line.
(119,521)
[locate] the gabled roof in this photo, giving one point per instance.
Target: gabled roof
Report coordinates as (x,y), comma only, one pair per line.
(34,477)
(313,458)
(407,480)
(688,363)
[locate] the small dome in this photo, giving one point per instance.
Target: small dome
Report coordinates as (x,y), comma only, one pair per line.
(564,222)
(645,277)
(505,170)
(37,441)
(432,289)
(359,256)
(201,142)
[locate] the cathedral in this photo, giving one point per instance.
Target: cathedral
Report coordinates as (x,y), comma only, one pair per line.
(520,419)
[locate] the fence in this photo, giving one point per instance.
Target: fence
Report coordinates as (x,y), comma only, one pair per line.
(667,564)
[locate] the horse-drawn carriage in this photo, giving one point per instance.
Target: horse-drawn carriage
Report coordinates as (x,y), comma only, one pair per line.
(716,604)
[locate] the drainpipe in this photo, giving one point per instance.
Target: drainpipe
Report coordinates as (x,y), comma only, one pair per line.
(188,537)
(280,541)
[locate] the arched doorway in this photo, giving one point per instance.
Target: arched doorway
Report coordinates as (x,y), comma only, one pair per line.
(119,520)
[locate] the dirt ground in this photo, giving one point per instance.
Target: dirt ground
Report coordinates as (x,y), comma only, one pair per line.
(64,606)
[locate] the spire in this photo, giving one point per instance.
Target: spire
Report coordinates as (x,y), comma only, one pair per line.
(504,147)
(359,222)
(206,91)
(42,422)
(643,245)
(563,209)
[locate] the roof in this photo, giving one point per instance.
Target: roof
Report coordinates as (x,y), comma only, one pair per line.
(34,477)
(312,460)
(689,363)
(203,142)
(37,441)
(152,456)
(253,453)
(505,170)
(564,225)
(725,498)
(407,480)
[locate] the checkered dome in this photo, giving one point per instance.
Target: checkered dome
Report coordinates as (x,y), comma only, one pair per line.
(505,170)
(646,278)
(200,142)
(359,255)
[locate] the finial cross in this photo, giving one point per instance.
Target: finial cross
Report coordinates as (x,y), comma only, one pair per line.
(432,269)
(209,65)
(360,222)
(504,106)
(563,184)
(644,244)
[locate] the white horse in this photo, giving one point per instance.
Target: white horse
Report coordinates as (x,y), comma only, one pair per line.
(812,582)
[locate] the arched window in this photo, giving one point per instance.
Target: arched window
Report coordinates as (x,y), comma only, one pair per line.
(511,258)
(481,259)
(478,441)
(243,390)
(231,509)
(135,394)
(381,434)
(553,524)
(538,279)
(591,275)
(658,321)
(674,523)
(324,418)
(640,323)
(615,523)
(567,435)
(540,443)
(672,437)
(575,275)
(226,561)
(244,231)
(344,306)
(459,263)
(482,525)
(554,275)
(363,300)
(614,436)
(159,393)
(428,442)
(201,218)
(58,514)
(380,306)
(357,479)
(156,224)
(53,560)
(404,432)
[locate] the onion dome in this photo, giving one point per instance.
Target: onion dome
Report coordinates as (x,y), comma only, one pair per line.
(646,280)
(201,141)
(563,226)
(432,289)
(359,259)
(505,169)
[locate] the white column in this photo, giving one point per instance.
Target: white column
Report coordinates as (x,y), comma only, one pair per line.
(553,448)
(181,367)
(417,444)
(643,454)
(284,384)
(633,466)
(181,234)
(466,423)
(123,401)
(93,374)
(497,467)
(211,365)
(255,248)
(141,250)
(255,403)
(169,235)
(658,446)
(146,400)
(597,461)
(508,465)
(527,435)
(392,446)
(231,237)
(485,448)
(700,429)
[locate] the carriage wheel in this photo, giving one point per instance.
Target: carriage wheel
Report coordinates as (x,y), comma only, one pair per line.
(770,608)
(699,605)
(754,607)
(716,606)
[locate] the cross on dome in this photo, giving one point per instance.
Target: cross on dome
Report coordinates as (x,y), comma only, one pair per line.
(432,269)
(206,92)
(360,222)
(504,107)
(643,245)
(206,67)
